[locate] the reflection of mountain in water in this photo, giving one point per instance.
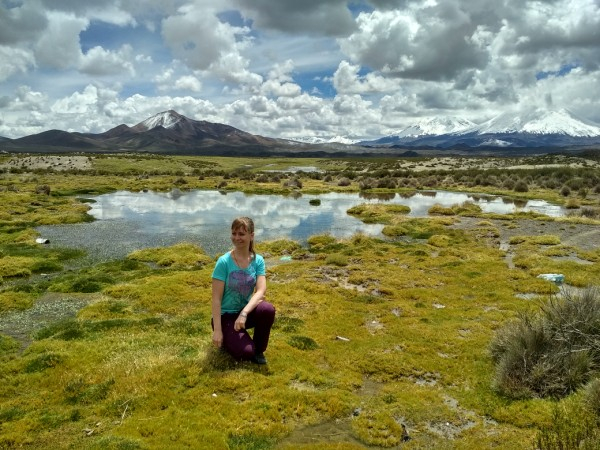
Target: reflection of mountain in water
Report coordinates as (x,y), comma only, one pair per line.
(130,221)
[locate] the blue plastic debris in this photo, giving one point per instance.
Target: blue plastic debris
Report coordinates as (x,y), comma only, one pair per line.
(557,278)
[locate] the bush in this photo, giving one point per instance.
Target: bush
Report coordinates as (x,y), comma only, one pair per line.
(551,353)
(565,191)
(43,189)
(521,186)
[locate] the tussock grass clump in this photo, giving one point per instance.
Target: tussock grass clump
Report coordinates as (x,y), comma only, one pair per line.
(7,345)
(463,209)
(377,213)
(23,260)
(303,342)
(535,240)
(378,429)
(10,300)
(417,228)
(552,352)
(179,256)
(287,324)
(323,243)
(337,259)
(279,247)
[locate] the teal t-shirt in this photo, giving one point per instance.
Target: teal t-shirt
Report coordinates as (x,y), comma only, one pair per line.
(239,283)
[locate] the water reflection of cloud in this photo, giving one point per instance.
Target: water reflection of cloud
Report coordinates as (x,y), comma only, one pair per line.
(130,221)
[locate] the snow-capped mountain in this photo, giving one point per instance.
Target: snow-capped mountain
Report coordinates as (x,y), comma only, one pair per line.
(165,119)
(165,132)
(532,128)
(436,126)
(539,121)
(316,140)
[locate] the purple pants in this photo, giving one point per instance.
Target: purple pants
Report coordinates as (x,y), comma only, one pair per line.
(239,344)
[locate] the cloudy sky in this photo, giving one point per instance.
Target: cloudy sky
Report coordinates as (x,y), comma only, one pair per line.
(293,68)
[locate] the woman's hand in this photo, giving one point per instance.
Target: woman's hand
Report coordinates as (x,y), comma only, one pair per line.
(240,323)
(217,338)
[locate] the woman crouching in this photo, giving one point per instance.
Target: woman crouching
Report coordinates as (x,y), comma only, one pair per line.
(239,285)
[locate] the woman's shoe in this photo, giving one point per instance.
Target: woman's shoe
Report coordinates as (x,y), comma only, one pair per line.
(259,358)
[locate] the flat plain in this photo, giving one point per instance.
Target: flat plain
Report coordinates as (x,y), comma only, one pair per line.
(378,343)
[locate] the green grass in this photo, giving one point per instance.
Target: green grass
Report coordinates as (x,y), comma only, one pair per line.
(371,335)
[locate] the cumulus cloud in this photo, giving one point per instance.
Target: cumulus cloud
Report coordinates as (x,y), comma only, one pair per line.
(59,46)
(280,81)
(98,61)
(332,18)
(13,61)
(198,37)
(291,68)
(21,24)
(347,80)
(189,83)
(425,42)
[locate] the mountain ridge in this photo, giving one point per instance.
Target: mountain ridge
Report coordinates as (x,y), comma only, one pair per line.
(532,128)
(165,132)
(168,132)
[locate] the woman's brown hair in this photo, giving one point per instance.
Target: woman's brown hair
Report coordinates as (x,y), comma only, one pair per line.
(247,224)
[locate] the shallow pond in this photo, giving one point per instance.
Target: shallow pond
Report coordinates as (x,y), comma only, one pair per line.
(128,221)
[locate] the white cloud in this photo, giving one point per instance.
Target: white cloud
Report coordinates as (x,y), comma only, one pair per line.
(198,37)
(79,102)
(98,61)
(189,83)
(59,46)
(13,61)
(291,68)
(424,42)
(346,80)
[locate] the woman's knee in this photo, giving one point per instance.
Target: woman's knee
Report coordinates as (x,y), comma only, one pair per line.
(266,310)
(242,353)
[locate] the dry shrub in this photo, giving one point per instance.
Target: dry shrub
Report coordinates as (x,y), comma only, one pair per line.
(552,352)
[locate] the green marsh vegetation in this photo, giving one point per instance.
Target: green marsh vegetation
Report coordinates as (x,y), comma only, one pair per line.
(414,340)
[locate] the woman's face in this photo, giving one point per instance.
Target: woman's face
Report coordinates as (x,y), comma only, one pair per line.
(241,238)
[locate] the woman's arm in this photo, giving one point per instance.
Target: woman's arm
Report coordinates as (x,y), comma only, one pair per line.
(218,287)
(257,297)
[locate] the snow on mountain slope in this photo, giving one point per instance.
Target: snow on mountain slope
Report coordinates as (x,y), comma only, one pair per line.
(436,126)
(539,121)
(166,119)
(325,140)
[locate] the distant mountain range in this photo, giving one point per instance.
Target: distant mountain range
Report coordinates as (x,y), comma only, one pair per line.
(166,132)
(534,128)
(536,131)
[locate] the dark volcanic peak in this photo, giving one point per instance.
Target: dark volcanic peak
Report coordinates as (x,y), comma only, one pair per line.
(57,138)
(166,132)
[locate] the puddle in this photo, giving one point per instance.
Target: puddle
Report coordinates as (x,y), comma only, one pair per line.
(337,431)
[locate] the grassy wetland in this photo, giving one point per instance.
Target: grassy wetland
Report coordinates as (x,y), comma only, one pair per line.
(440,334)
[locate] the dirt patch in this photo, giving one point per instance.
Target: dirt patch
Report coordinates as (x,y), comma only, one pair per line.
(44,162)
(583,236)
